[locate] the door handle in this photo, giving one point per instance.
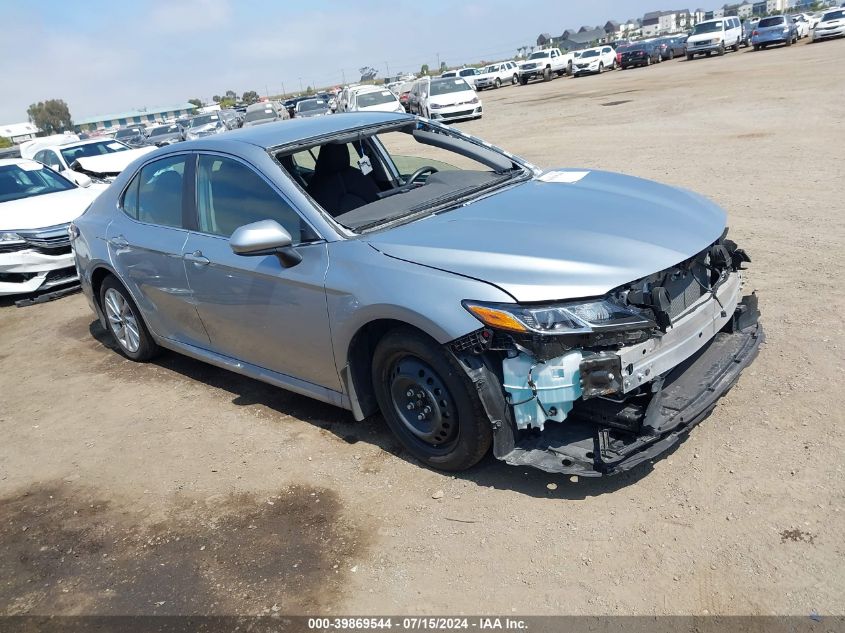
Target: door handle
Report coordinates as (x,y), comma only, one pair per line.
(119,242)
(196,258)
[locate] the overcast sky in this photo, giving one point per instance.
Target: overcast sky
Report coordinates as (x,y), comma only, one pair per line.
(105,56)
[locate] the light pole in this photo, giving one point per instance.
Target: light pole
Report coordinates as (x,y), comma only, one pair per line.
(300,85)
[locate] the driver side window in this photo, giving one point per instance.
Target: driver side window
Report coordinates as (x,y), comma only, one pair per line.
(230,195)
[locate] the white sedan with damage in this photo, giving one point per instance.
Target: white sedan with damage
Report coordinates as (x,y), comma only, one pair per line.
(81,161)
(36,207)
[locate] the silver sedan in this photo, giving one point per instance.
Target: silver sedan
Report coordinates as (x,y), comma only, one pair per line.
(576,321)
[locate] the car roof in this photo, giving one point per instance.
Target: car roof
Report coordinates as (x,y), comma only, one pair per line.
(5,162)
(292,130)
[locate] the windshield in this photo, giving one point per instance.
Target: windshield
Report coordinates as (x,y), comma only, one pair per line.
(707,27)
(315,105)
(257,115)
(775,21)
(467,72)
(203,119)
(539,55)
(428,169)
(28,179)
(592,53)
(444,87)
(375,98)
(98,148)
(128,133)
(450,73)
(490,69)
(833,15)
(164,129)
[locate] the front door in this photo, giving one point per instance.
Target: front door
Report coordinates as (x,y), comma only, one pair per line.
(253,308)
(146,242)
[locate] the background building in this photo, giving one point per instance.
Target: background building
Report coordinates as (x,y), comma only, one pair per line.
(18,132)
(120,119)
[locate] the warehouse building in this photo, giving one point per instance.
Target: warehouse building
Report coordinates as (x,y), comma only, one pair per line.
(121,119)
(18,132)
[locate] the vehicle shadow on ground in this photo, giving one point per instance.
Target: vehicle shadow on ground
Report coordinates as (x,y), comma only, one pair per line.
(489,473)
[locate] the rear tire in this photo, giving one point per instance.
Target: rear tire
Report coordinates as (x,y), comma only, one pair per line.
(756,47)
(689,57)
(454,432)
(515,79)
(671,54)
(125,323)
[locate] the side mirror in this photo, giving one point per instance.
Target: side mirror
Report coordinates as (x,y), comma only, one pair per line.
(266,237)
(80,179)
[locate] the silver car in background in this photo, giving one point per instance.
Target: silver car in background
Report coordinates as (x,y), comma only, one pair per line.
(576,321)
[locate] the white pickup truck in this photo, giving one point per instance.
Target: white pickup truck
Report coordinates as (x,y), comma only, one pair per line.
(545,65)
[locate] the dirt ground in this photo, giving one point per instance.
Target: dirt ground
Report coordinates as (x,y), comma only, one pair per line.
(176,487)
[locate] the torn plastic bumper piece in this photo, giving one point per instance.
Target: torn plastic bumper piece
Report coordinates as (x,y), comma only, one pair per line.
(685,396)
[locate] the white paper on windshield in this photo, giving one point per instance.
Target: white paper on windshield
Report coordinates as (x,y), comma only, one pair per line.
(569,177)
(31,165)
(115,146)
(364,165)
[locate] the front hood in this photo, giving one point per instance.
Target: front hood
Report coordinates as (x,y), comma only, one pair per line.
(113,163)
(392,106)
(204,130)
(833,24)
(704,37)
(543,241)
(37,212)
(453,98)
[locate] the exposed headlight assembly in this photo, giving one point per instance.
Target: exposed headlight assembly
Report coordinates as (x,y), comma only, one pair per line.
(11,238)
(592,318)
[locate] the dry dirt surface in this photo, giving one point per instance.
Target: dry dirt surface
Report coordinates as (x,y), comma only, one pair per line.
(176,487)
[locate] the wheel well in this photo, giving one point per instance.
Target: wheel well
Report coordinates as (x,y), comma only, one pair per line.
(97,277)
(359,359)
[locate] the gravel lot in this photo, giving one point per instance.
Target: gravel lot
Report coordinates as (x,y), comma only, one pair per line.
(175,487)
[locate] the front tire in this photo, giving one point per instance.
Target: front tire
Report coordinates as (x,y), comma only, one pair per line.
(125,323)
(515,79)
(498,83)
(429,402)
(671,54)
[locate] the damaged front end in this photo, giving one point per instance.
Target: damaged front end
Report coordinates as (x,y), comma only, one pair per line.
(598,386)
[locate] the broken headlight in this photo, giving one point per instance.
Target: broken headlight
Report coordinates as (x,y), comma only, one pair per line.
(582,317)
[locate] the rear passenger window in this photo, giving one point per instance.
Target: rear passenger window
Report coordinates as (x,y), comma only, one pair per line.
(129,204)
(230,195)
(160,191)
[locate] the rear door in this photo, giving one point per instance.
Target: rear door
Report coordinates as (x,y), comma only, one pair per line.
(146,242)
(254,309)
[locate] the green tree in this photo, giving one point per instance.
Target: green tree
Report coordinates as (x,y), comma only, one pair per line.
(424,69)
(4,142)
(195,102)
(231,95)
(51,116)
(217,98)
(309,90)
(443,67)
(250,96)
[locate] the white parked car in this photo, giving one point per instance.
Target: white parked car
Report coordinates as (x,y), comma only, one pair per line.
(831,24)
(36,207)
(715,36)
(468,74)
(802,25)
(82,160)
(545,65)
(444,99)
(374,99)
(496,75)
(595,60)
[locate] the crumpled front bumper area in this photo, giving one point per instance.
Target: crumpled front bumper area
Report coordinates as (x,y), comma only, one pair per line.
(686,395)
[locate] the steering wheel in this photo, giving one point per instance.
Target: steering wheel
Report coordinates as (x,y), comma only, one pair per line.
(425,169)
